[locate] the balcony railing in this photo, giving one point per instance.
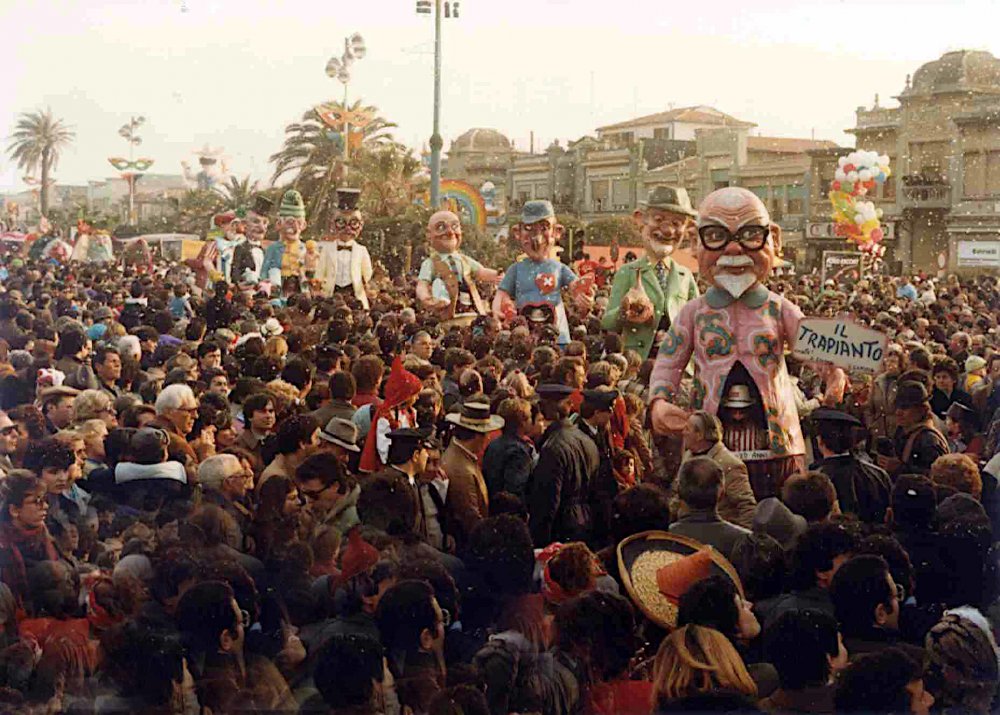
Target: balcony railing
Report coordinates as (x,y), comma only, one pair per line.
(927,196)
(877,117)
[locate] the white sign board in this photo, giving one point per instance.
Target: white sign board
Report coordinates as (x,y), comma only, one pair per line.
(841,342)
(978,254)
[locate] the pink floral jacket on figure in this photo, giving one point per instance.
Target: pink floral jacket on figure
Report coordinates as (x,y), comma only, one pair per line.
(719,330)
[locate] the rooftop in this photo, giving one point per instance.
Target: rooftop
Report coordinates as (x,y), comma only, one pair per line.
(481,139)
(700,114)
(958,70)
(787,145)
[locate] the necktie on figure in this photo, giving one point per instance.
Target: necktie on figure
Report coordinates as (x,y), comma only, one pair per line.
(344,248)
(662,275)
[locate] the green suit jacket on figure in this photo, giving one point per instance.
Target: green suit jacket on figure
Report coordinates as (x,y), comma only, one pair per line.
(681,288)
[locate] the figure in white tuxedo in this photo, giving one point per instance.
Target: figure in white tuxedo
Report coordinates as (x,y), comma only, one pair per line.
(344,264)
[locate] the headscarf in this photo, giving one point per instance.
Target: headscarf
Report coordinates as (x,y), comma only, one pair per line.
(399,387)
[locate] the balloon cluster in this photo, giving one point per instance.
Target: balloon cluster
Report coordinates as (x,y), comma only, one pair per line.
(855,219)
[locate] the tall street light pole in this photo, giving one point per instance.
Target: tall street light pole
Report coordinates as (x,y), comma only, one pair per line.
(340,68)
(437,143)
(131,168)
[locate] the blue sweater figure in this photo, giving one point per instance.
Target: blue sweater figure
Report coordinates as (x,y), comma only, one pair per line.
(533,286)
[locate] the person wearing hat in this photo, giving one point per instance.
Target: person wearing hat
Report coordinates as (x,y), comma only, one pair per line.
(395,411)
(648,293)
(559,496)
(340,436)
(862,487)
(744,435)
(248,256)
(917,442)
(468,502)
(286,257)
(594,420)
(345,266)
(539,278)
(409,455)
(447,280)
(56,404)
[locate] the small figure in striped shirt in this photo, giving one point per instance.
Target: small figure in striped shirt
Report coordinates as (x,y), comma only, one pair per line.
(740,430)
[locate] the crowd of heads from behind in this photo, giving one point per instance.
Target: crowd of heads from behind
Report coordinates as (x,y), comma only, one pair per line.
(278,479)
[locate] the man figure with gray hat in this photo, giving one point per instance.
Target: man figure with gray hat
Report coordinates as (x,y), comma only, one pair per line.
(648,293)
(537,280)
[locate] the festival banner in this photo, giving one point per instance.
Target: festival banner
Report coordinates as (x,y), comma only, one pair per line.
(841,342)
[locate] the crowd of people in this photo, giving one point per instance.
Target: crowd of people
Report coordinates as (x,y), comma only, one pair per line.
(223,500)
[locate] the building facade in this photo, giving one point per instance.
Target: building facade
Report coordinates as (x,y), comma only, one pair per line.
(610,174)
(942,203)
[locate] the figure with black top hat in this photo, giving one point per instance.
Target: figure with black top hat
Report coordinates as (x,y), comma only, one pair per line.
(286,256)
(648,293)
(447,280)
(533,286)
(248,256)
(344,264)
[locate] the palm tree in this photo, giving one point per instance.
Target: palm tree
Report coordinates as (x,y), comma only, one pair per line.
(387,178)
(314,154)
(196,209)
(37,140)
(238,192)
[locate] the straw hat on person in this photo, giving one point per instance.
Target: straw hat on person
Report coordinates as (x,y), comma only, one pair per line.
(657,567)
(738,397)
(476,416)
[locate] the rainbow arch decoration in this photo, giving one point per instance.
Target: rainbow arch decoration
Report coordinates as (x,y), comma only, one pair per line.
(464,199)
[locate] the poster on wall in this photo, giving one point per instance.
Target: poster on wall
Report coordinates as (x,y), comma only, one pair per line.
(978,254)
(841,266)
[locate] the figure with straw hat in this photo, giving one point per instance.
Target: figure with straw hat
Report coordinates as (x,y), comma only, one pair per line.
(286,257)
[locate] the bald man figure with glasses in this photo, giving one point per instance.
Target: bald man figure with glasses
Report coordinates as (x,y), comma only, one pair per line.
(737,334)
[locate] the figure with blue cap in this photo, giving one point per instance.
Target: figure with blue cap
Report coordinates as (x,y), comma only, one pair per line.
(535,283)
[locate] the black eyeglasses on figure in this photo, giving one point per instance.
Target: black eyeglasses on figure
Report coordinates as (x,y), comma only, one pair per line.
(716,238)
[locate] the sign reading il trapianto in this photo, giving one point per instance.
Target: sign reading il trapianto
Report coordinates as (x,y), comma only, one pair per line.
(841,342)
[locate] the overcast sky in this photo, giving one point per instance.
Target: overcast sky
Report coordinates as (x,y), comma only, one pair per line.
(233,73)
